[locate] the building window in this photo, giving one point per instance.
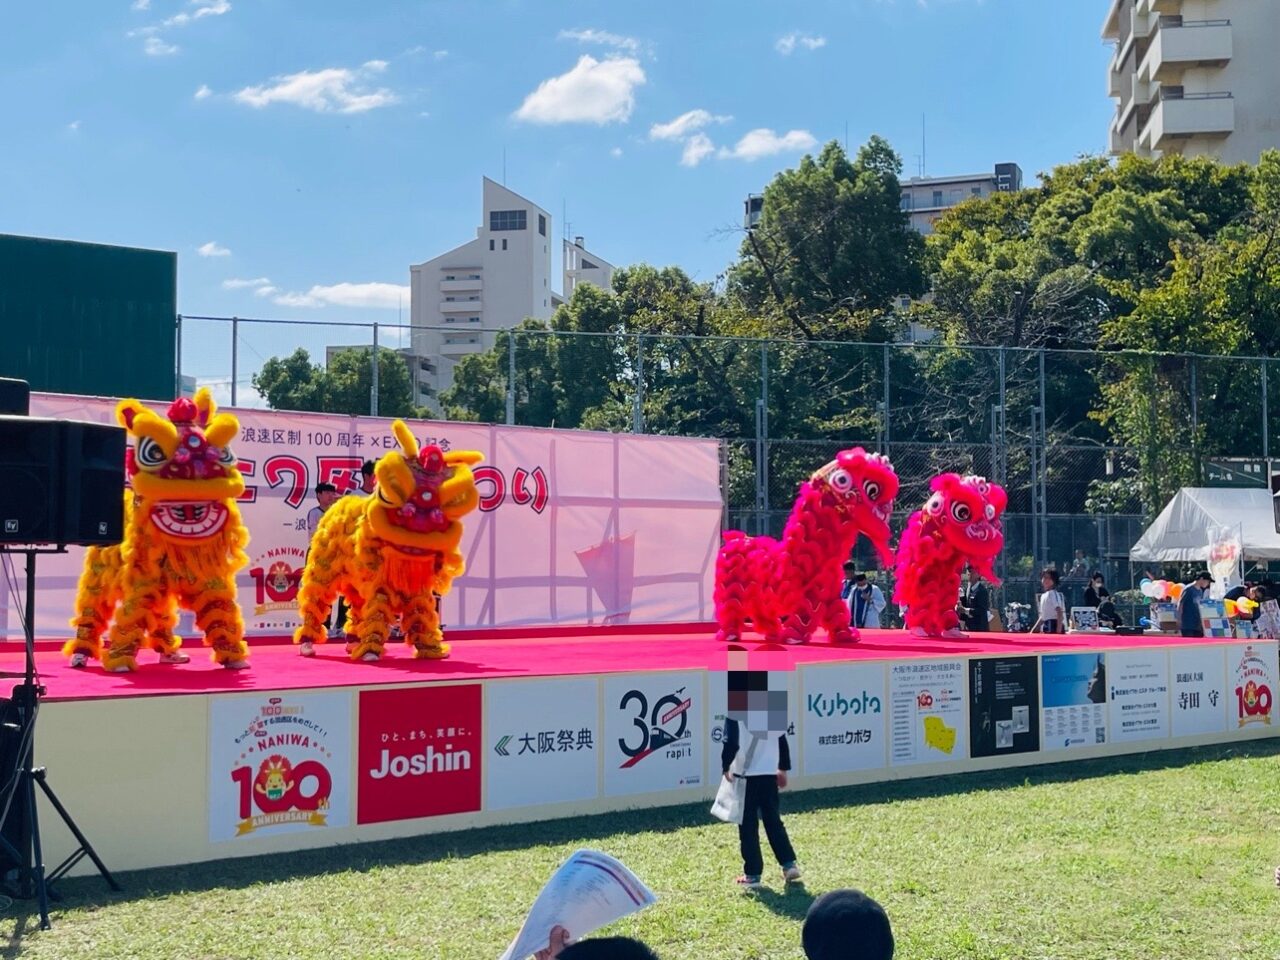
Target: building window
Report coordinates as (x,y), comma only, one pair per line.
(450,276)
(975,191)
(905,203)
(490,244)
(504,244)
(507,220)
(473,276)
(473,319)
(542,225)
(450,319)
(448,299)
(937,198)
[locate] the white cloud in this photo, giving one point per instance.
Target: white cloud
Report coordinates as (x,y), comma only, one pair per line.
(203,8)
(378,296)
(74,126)
(696,149)
(141,5)
(266,291)
(685,124)
(203,92)
(237,284)
(615,152)
(787,45)
(602,37)
(211,249)
(440,54)
(594,91)
(765,143)
(334,89)
(155,47)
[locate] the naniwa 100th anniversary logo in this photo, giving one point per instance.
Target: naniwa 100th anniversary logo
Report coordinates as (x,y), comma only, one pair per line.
(280,763)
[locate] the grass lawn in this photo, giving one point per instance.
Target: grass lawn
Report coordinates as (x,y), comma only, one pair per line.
(1167,855)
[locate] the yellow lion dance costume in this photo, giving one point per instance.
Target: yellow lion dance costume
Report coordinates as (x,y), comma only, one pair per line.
(390,553)
(183,543)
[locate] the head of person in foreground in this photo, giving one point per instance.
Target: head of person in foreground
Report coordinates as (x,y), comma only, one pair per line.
(847,925)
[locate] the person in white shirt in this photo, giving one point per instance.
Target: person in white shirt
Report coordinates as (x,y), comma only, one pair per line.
(1053,616)
(766,774)
(368,482)
(866,603)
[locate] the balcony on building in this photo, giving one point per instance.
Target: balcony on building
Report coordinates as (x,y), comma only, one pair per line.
(1180,116)
(1178,45)
(1159,6)
(461,282)
(460,306)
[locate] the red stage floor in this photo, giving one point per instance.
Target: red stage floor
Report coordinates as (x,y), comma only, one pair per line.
(532,652)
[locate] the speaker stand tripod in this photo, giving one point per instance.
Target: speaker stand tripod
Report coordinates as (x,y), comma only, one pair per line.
(25,777)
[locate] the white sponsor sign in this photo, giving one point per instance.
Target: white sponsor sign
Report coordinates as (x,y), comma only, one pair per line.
(845,711)
(1252,673)
(1139,681)
(279,763)
(653,732)
(542,742)
(927,709)
(1198,690)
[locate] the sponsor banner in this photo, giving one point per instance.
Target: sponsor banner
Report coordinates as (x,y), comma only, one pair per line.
(653,732)
(1253,675)
(1199,694)
(844,718)
(1004,706)
(781,685)
(1139,694)
(419,751)
(1074,693)
(926,700)
(279,763)
(572,527)
(542,742)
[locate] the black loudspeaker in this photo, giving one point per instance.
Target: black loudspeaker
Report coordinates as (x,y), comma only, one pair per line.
(61,482)
(15,397)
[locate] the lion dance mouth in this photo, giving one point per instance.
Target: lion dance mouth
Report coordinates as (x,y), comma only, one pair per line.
(190,521)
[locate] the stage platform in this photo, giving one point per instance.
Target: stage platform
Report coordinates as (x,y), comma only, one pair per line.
(511,653)
(178,764)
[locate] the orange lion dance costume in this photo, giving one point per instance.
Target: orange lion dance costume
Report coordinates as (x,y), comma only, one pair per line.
(389,554)
(183,543)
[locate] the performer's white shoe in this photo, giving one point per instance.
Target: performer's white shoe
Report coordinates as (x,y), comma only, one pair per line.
(306,649)
(176,657)
(79,660)
(370,657)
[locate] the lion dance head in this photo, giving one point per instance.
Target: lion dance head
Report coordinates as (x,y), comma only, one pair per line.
(861,486)
(966,511)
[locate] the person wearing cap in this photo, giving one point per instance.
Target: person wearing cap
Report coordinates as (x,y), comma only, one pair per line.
(1189,622)
(847,925)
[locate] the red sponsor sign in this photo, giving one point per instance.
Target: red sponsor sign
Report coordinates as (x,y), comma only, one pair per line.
(419,752)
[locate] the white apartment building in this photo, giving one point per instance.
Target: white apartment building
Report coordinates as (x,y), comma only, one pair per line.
(496,280)
(925,199)
(581,266)
(1195,77)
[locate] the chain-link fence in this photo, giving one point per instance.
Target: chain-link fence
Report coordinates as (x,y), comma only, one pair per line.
(1042,423)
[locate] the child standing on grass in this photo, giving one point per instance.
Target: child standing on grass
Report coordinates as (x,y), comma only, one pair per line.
(765,765)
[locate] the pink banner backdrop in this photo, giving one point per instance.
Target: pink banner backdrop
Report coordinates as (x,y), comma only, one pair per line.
(573,527)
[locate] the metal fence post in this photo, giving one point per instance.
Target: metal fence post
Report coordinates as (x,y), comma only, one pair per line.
(888,418)
(235,337)
(177,369)
(1195,423)
(1266,415)
(1044,462)
(764,435)
(373,393)
(637,410)
(511,377)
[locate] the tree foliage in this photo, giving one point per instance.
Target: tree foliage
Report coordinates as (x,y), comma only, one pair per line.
(345,385)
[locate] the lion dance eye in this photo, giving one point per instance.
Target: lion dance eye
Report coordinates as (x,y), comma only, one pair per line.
(150,453)
(960,512)
(841,480)
(989,512)
(934,506)
(871,489)
(227,458)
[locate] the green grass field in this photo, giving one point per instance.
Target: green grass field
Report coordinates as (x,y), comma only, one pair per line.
(1166,855)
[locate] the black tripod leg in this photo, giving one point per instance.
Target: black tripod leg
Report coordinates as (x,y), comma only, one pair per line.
(85,845)
(37,865)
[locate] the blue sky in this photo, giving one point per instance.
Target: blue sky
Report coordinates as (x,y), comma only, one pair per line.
(318,147)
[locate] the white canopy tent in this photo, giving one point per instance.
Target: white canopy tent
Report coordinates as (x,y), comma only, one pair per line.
(1181,533)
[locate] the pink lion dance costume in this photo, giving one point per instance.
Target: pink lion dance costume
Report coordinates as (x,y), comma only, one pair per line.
(788,588)
(959,524)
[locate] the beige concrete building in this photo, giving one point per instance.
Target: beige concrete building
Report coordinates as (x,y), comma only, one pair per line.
(925,199)
(1195,77)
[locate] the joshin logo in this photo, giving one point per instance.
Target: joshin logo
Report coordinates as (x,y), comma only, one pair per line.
(422,763)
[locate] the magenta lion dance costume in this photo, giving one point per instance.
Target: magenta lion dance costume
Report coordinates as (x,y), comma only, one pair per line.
(788,588)
(959,524)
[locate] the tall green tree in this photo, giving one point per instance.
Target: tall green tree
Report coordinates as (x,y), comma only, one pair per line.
(344,386)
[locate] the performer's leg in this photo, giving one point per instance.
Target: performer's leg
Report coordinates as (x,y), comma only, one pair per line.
(315,604)
(161,637)
(96,598)
(218,616)
(133,620)
(834,614)
(422,628)
(376,616)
